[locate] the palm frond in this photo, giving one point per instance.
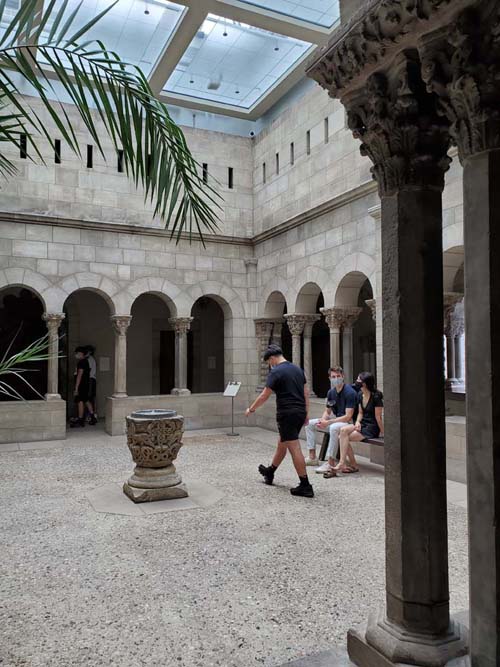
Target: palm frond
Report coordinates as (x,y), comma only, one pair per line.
(102,87)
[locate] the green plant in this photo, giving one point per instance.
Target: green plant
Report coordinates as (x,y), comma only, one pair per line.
(13,365)
(155,153)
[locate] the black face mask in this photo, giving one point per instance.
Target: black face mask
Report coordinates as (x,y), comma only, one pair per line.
(357,386)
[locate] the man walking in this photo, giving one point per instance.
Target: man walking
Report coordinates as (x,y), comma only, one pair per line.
(340,405)
(289,384)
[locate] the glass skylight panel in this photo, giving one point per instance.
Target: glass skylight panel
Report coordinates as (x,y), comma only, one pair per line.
(233,63)
(324,13)
(137,30)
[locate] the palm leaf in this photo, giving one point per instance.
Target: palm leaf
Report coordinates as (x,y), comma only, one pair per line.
(102,88)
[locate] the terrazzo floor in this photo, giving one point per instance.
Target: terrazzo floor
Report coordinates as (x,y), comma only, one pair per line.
(258,578)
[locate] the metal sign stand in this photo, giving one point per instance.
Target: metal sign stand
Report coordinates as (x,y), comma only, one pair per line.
(232,390)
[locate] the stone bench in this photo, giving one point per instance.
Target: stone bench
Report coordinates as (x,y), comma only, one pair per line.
(375,446)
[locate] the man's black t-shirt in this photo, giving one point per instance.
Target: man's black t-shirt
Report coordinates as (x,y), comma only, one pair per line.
(84,366)
(287,381)
(340,401)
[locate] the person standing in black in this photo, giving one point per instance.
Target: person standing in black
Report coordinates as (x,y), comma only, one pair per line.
(289,384)
(82,385)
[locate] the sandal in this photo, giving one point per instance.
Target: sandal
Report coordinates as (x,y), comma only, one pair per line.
(349,469)
(329,474)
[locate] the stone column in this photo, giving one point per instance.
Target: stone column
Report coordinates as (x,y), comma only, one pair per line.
(120,323)
(459,333)
(53,321)
(407,141)
(276,335)
(334,320)
(461,64)
(309,323)
(450,301)
(181,327)
(296,325)
(263,330)
(372,305)
(349,316)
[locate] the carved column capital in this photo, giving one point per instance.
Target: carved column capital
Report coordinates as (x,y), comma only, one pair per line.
(181,324)
(341,317)
(263,327)
(296,323)
(372,305)
(461,65)
(400,128)
(121,323)
(53,320)
(450,301)
(309,323)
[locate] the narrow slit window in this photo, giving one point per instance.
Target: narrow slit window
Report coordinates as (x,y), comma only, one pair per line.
(292,153)
(23,146)
(57,151)
(230,182)
(327,132)
(90,157)
(277,163)
(263,172)
(205,172)
(308,142)
(120,161)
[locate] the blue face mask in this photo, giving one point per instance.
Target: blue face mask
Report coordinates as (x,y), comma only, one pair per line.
(336,382)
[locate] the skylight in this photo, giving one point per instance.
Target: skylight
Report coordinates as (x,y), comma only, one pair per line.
(136,29)
(324,13)
(232,63)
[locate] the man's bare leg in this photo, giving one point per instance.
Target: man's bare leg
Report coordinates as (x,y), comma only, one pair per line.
(299,462)
(280,454)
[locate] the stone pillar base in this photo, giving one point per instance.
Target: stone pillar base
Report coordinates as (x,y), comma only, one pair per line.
(382,644)
(52,397)
(150,484)
(180,392)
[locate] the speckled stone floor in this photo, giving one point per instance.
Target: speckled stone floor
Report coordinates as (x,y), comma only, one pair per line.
(259,578)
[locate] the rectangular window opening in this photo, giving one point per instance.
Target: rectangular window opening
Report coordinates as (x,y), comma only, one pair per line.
(23,146)
(277,163)
(292,153)
(308,142)
(205,172)
(90,157)
(230,183)
(263,172)
(327,133)
(120,161)
(57,151)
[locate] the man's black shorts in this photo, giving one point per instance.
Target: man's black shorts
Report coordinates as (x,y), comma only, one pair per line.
(289,425)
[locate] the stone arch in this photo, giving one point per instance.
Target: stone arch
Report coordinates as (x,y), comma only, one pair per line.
(359,263)
(453,236)
(167,291)
(312,274)
(225,296)
(93,282)
(38,284)
(307,298)
(349,288)
(278,285)
(275,305)
(453,267)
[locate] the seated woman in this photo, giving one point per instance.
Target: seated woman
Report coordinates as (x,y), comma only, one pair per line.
(368,424)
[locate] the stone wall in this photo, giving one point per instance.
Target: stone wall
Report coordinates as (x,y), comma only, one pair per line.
(30,421)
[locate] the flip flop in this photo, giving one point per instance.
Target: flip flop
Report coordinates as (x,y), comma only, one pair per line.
(349,469)
(329,474)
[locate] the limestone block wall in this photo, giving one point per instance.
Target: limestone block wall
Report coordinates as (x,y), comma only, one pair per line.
(30,421)
(72,190)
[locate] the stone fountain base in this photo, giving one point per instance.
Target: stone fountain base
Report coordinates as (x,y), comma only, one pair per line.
(154,438)
(149,484)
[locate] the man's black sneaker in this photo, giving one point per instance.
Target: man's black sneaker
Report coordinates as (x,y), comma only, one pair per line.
(267,474)
(76,421)
(305,490)
(93,420)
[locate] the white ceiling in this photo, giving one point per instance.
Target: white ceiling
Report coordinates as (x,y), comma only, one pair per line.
(225,56)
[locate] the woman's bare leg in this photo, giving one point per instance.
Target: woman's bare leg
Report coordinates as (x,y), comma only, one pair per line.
(345,432)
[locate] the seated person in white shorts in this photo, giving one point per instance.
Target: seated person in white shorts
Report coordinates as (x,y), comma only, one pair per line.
(340,404)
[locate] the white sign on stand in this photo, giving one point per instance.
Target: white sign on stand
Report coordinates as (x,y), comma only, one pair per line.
(232,390)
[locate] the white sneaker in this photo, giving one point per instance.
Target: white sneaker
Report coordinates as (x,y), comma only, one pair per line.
(312,462)
(324,468)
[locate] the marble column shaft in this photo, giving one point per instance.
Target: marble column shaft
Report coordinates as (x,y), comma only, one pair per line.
(53,321)
(263,331)
(120,323)
(296,323)
(181,327)
(308,368)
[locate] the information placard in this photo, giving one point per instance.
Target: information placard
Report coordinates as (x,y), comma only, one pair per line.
(232,389)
